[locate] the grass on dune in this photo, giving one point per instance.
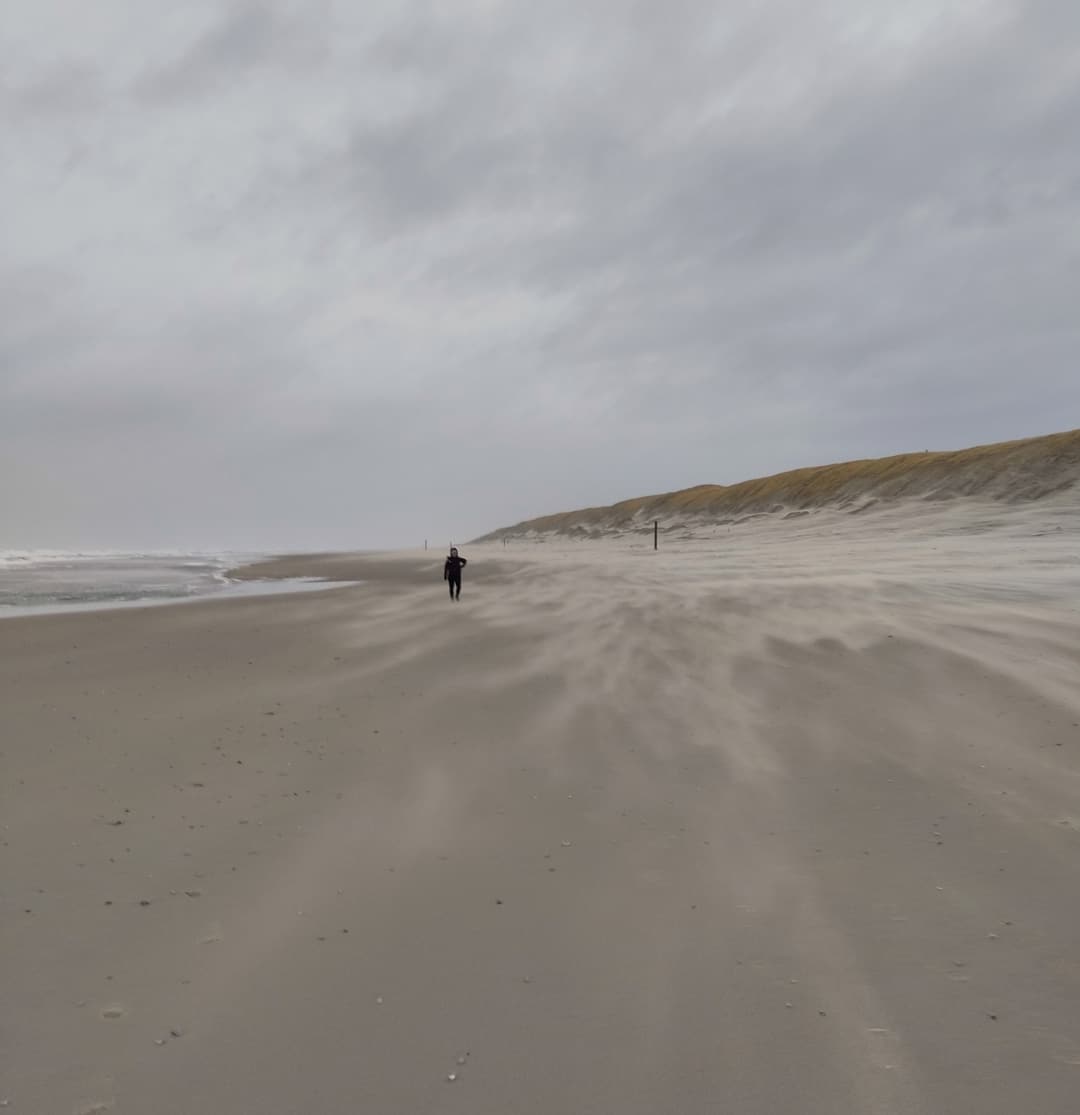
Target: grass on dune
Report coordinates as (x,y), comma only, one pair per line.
(1013,469)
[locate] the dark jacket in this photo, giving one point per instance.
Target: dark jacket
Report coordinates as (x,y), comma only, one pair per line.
(453,567)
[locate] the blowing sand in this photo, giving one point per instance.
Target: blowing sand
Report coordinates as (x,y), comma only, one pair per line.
(780,819)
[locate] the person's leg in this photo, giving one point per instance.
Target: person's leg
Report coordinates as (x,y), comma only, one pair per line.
(450,582)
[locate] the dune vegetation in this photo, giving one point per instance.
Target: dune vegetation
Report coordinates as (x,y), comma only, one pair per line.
(1012,471)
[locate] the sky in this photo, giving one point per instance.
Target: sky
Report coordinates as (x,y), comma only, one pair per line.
(323,274)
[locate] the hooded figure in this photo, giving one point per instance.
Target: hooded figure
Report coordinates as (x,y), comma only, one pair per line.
(452,572)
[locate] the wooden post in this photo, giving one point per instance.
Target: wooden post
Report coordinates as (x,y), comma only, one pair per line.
(656,534)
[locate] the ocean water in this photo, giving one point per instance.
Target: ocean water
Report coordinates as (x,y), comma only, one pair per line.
(34,581)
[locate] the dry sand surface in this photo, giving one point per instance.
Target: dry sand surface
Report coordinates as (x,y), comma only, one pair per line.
(780,819)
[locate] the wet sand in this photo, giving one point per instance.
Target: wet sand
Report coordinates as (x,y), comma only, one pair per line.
(785,818)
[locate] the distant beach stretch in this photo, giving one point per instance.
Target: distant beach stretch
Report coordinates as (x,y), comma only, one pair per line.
(34,582)
(784,811)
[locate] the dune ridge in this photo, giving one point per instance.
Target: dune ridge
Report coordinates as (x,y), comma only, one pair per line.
(1010,472)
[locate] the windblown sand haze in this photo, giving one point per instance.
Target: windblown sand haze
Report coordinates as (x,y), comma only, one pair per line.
(782,817)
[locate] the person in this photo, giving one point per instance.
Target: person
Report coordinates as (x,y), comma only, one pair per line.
(452,572)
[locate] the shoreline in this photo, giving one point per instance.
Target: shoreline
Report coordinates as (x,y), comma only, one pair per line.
(230,590)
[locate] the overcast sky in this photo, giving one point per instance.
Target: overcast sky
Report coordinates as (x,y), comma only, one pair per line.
(330,273)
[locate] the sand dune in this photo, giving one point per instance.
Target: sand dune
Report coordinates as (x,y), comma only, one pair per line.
(1010,472)
(782,820)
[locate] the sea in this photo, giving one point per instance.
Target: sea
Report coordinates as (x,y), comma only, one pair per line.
(38,581)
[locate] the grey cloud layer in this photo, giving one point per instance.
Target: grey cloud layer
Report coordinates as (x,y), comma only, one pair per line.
(248,36)
(458,265)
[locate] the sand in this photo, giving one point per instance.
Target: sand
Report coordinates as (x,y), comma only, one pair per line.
(778,819)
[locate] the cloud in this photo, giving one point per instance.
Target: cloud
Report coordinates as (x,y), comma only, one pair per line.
(470,263)
(243,38)
(56,89)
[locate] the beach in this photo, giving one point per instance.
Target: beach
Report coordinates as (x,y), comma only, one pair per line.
(777,818)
